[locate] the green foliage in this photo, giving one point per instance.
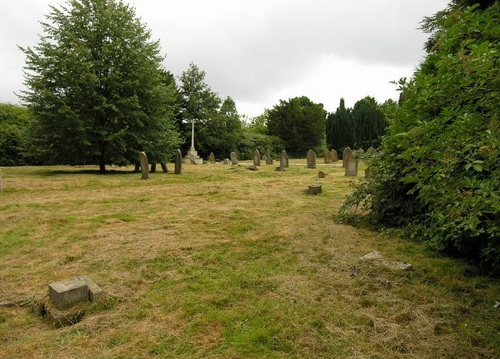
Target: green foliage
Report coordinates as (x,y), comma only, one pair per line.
(249,142)
(218,125)
(359,127)
(439,166)
(96,87)
(340,128)
(369,123)
(13,121)
(300,123)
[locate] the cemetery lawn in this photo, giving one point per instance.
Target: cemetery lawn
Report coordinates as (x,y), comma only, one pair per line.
(223,262)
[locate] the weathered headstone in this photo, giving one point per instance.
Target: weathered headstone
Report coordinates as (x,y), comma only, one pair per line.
(283,160)
(256,158)
(68,293)
(211,158)
(333,156)
(234,158)
(351,168)
(321,174)
(253,168)
(269,158)
(315,189)
(345,156)
(311,159)
(178,162)
(227,161)
(327,157)
(143,160)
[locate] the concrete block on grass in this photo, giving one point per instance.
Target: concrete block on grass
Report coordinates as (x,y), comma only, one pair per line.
(70,292)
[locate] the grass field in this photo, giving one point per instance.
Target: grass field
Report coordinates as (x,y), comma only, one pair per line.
(223,262)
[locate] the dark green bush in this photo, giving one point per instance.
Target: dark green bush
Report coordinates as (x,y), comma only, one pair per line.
(439,167)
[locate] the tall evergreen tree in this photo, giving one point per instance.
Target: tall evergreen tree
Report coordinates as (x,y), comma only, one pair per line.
(369,123)
(299,122)
(96,86)
(340,128)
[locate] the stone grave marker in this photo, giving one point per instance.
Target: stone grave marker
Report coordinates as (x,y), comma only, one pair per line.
(327,157)
(211,158)
(351,168)
(311,159)
(234,158)
(67,293)
(269,158)
(345,156)
(256,158)
(178,162)
(315,189)
(143,160)
(333,156)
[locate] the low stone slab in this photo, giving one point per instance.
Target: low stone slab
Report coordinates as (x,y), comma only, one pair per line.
(70,292)
(377,256)
(315,189)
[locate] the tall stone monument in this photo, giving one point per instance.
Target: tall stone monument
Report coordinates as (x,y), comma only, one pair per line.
(192,154)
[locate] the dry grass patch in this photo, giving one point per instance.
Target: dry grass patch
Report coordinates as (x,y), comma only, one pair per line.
(223,262)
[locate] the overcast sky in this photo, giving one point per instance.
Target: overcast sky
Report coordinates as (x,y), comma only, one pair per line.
(261,51)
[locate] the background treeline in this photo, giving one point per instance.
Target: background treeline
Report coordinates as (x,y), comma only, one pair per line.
(437,175)
(360,127)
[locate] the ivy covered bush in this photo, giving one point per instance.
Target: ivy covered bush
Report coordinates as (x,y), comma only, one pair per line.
(437,174)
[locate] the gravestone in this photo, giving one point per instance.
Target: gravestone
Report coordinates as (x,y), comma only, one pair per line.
(283,161)
(234,158)
(327,157)
(333,156)
(351,168)
(227,161)
(68,293)
(315,189)
(256,158)
(192,158)
(311,159)
(178,162)
(211,158)
(143,160)
(321,174)
(269,158)
(345,156)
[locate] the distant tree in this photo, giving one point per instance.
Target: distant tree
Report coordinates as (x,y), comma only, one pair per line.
(258,124)
(198,103)
(340,128)
(369,123)
(96,87)
(299,122)
(222,132)
(13,121)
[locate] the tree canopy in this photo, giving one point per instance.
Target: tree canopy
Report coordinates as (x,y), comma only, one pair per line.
(299,122)
(96,87)
(438,174)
